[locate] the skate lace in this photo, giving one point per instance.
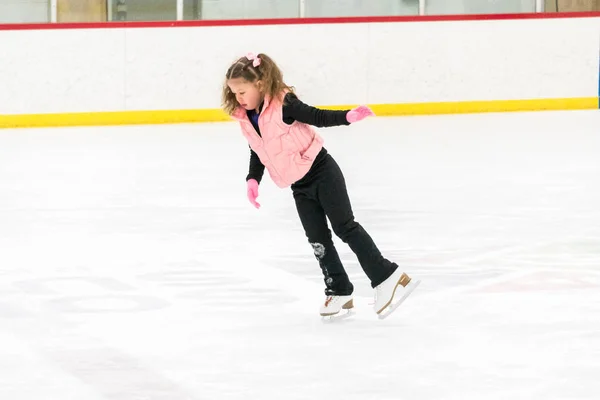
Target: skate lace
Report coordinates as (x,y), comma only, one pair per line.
(332,299)
(376,296)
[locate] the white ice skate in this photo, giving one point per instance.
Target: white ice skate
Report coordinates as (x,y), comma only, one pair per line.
(334,305)
(392,292)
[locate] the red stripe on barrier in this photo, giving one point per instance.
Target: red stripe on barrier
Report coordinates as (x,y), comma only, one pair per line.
(294,21)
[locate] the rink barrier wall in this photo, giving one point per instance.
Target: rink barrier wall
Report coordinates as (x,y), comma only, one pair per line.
(523,62)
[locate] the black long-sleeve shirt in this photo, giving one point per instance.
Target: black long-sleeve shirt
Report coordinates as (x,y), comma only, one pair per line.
(294,110)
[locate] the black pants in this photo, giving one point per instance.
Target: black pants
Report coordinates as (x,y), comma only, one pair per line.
(322,194)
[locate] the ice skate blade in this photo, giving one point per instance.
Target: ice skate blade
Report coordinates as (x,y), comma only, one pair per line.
(347,306)
(330,319)
(392,307)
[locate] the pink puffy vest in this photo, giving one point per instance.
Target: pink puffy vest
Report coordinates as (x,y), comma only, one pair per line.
(286,151)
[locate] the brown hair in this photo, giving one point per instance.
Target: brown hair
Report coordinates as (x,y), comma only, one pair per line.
(268,72)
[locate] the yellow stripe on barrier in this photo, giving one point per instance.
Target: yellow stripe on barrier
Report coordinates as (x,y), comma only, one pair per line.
(463,107)
(217,115)
(112,118)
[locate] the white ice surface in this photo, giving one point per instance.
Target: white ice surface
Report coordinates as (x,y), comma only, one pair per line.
(133,267)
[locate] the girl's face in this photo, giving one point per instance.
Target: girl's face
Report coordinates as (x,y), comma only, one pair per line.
(247,94)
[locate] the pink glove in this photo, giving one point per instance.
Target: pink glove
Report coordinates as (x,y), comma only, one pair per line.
(359,113)
(252,191)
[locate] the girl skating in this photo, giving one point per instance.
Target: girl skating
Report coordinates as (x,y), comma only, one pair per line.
(279,130)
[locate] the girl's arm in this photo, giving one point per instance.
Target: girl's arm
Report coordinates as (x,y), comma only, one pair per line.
(256,169)
(296,110)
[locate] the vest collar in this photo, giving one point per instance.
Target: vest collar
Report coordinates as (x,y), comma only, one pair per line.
(240,112)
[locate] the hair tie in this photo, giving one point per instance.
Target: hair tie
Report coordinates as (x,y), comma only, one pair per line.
(255,60)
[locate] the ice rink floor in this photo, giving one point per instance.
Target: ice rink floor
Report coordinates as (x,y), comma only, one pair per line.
(132,266)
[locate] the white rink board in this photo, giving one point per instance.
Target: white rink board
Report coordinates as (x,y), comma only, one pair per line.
(61,71)
(484,60)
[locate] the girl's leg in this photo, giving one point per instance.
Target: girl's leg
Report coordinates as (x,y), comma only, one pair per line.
(334,199)
(315,226)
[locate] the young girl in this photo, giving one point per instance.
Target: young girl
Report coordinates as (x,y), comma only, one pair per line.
(280,133)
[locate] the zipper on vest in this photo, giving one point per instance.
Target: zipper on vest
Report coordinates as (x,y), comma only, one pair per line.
(263,144)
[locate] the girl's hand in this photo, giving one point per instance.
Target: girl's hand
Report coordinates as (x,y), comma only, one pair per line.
(359,113)
(252,191)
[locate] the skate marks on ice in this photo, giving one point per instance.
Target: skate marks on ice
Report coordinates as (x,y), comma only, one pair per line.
(112,358)
(540,304)
(574,257)
(103,336)
(530,281)
(65,340)
(220,290)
